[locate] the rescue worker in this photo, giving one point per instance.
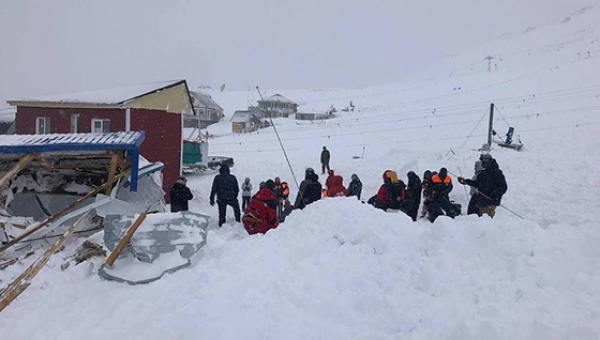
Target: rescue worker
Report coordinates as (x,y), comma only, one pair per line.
(355,186)
(310,189)
(180,195)
(413,195)
(225,187)
(325,157)
(261,214)
(491,186)
(440,200)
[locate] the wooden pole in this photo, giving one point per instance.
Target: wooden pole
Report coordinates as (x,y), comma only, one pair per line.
(125,240)
(22,282)
(63,212)
(114,160)
(21,164)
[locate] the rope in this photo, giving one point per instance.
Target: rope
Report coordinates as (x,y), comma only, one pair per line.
(502,116)
(473,131)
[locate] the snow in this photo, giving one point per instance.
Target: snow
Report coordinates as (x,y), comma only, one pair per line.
(112,138)
(342,270)
(113,96)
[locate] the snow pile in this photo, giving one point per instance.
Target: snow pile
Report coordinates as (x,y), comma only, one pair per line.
(369,275)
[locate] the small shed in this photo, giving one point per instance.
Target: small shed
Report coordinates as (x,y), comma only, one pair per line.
(278,106)
(245,121)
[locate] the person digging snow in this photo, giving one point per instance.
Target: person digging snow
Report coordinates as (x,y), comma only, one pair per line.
(261,214)
(490,184)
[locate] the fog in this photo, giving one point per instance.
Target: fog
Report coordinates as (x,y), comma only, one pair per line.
(52,47)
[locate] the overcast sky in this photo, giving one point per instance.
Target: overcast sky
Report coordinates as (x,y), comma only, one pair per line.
(60,46)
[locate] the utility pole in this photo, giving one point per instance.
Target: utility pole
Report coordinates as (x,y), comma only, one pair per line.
(491,125)
(489,58)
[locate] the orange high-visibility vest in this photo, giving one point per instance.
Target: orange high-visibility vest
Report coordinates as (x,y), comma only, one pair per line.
(436,179)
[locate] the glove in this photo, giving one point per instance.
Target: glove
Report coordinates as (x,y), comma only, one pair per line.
(212,202)
(461,180)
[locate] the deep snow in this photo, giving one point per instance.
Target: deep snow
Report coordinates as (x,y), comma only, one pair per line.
(342,270)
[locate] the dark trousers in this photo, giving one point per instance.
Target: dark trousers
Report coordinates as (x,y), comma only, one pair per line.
(235,204)
(323,166)
(473,207)
(245,202)
(439,207)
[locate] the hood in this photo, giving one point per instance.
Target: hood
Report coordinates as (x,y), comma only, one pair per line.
(331,173)
(224,169)
(493,165)
(337,180)
(385,175)
(265,194)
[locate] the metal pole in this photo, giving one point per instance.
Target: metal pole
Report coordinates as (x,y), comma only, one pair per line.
(491,125)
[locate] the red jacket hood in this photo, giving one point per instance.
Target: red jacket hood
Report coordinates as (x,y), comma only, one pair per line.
(265,194)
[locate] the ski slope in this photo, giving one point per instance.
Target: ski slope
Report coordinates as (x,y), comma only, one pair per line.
(342,270)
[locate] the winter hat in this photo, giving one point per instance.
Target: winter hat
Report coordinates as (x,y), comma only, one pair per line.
(309,171)
(270,184)
(247,179)
(277,180)
(427,174)
(354,177)
(182,179)
(443,173)
(486,159)
(261,185)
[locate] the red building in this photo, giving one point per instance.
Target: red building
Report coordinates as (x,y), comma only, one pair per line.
(155,108)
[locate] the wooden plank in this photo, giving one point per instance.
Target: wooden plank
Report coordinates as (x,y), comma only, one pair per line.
(22,282)
(63,212)
(12,173)
(112,171)
(125,240)
(8,263)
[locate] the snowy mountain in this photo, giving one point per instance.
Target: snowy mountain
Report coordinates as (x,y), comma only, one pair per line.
(342,270)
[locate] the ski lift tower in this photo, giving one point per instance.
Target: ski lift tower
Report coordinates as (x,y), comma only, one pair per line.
(489,58)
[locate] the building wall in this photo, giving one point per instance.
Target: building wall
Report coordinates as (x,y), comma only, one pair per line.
(163,141)
(60,119)
(175,99)
(163,131)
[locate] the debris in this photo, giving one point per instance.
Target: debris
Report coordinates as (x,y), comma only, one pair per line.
(8,263)
(88,250)
(64,266)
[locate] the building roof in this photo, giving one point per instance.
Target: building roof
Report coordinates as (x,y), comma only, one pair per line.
(278,98)
(205,100)
(108,97)
(24,144)
(244,116)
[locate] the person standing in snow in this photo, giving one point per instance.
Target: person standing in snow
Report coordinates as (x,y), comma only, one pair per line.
(441,185)
(282,192)
(310,190)
(225,187)
(413,195)
(246,192)
(491,185)
(261,214)
(355,186)
(473,207)
(180,195)
(325,157)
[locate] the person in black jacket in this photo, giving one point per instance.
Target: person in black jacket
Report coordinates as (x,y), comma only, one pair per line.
(413,195)
(226,187)
(355,187)
(180,195)
(310,189)
(325,157)
(491,185)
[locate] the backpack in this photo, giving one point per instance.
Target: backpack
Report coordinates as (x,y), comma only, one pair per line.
(397,195)
(312,192)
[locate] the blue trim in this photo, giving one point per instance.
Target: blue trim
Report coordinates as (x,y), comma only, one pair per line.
(37,146)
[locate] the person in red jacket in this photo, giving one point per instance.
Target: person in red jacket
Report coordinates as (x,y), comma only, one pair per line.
(329,178)
(336,188)
(391,194)
(261,214)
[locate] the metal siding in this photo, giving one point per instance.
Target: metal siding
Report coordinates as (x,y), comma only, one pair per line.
(163,141)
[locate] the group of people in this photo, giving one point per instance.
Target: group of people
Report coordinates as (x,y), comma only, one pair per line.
(270,205)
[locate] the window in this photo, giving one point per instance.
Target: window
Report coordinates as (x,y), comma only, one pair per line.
(100,125)
(74,123)
(42,125)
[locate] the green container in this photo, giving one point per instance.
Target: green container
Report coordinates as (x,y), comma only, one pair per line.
(191,153)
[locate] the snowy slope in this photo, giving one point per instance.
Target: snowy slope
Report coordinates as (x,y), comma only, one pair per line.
(342,270)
